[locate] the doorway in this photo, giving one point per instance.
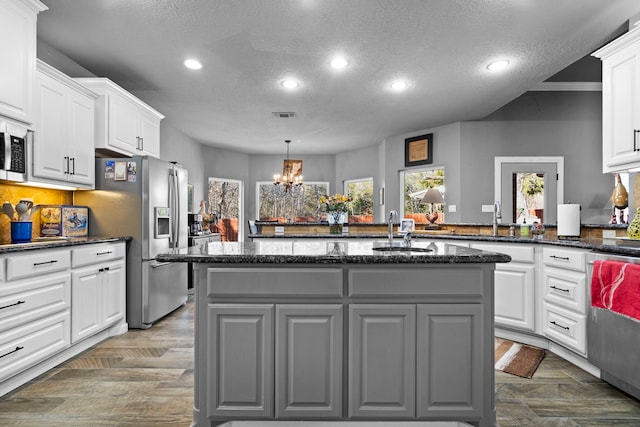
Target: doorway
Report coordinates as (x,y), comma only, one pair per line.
(225,208)
(529,188)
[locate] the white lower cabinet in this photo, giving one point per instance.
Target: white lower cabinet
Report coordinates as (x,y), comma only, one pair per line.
(50,300)
(98,290)
(565,297)
(514,286)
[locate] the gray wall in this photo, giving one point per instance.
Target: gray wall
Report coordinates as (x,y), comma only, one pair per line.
(358,164)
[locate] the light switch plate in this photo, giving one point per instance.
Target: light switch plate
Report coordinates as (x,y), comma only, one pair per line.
(608,234)
(452,208)
(487,208)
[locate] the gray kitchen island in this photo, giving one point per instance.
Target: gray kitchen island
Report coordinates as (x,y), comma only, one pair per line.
(338,331)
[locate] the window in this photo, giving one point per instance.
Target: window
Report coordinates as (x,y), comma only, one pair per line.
(225,197)
(415,184)
(303,208)
(361,193)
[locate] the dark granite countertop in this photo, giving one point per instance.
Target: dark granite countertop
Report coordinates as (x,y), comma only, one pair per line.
(309,252)
(619,246)
(56,242)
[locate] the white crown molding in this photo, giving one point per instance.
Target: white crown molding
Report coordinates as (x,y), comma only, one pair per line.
(568,87)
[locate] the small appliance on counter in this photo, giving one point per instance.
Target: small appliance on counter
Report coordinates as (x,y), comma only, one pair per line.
(64,221)
(195,224)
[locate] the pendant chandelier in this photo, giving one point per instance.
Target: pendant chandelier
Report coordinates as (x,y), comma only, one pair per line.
(290,182)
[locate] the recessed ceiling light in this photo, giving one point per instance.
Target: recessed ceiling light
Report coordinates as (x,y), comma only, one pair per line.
(339,63)
(499,65)
(399,85)
(290,84)
(193,64)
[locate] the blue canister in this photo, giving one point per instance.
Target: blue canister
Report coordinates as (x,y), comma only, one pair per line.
(21,231)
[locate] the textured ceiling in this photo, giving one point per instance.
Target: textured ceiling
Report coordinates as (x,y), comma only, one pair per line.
(248,46)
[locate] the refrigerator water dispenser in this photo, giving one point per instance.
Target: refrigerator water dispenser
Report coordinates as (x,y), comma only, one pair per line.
(162,229)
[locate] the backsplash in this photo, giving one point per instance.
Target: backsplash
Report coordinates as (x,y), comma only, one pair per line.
(41,196)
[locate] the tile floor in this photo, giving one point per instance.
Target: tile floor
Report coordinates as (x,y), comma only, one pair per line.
(145,378)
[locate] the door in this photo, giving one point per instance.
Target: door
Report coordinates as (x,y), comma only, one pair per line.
(240,353)
(85,303)
(382,358)
(49,145)
(450,337)
(621,106)
(113,297)
(123,123)
(308,361)
(178,200)
(157,180)
(529,190)
(81,138)
(515,295)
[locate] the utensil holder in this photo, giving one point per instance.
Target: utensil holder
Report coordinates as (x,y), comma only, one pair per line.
(21,231)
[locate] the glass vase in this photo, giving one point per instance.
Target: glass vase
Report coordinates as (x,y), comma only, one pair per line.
(335,222)
(633,230)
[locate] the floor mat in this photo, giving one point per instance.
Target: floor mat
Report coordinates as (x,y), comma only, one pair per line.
(516,358)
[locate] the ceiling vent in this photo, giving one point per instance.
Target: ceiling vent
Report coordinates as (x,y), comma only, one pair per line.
(284,114)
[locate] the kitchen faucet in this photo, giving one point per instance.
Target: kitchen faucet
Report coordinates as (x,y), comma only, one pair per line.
(392,214)
(497,214)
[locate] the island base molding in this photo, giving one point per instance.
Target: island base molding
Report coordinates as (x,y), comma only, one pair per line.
(344,424)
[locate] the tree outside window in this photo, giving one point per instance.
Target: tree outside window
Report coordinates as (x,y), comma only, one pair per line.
(361,193)
(303,208)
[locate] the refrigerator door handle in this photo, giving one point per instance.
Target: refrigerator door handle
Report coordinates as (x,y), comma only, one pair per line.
(174,197)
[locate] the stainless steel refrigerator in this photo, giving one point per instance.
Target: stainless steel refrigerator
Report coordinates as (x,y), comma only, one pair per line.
(145,198)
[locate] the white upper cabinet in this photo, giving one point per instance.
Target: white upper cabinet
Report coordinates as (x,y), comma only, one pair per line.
(621,103)
(18,47)
(63,144)
(124,124)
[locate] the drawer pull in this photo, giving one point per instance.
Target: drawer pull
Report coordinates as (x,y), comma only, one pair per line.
(559,289)
(11,352)
(13,305)
(563,258)
(35,264)
(102,270)
(104,253)
(566,328)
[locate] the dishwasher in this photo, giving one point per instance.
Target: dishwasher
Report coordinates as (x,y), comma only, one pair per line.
(613,340)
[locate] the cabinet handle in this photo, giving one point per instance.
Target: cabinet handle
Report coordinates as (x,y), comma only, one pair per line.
(635,139)
(66,170)
(73,162)
(35,264)
(12,351)
(12,305)
(564,258)
(559,289)
(566,328)
(103,253)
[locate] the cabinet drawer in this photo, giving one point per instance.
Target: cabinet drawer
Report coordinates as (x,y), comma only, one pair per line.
(565,327)
(93,254)
(517,252)
(23,347)
(564,258)
(565,288)
(37,263)
(275,282)
(432,281)
(28,300)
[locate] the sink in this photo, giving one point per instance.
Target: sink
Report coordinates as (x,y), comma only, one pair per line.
(400,249)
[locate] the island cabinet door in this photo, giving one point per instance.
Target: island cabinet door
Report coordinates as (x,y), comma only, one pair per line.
(308,361)
(382,357)
(450,361)
(240,361)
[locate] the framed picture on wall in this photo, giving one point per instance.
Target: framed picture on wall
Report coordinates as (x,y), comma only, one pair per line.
(418,150)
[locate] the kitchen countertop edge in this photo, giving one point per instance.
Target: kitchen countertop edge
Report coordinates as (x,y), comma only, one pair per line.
(44,244)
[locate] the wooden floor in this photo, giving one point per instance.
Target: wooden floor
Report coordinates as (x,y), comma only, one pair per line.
(145,378)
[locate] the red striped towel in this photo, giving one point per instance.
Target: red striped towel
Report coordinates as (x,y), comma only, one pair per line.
(616,286)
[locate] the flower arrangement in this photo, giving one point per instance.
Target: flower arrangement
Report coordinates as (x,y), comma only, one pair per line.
(335,206)
(335,203)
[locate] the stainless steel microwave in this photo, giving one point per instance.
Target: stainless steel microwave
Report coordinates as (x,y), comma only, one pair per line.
(13,151)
